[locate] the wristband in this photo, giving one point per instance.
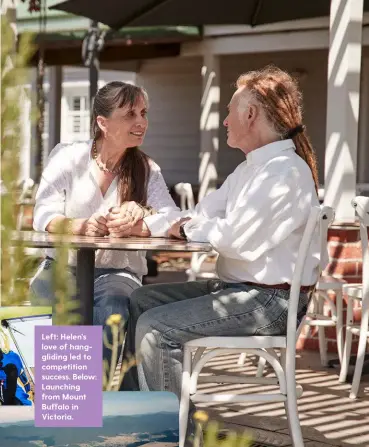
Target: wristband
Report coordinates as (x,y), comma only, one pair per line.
(182,232)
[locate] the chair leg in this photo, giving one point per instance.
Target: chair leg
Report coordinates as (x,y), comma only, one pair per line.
(242,359)
(185,396)
(339,324)
(361,349)
(348,342)
(290,404)
(321,333)
(261,367)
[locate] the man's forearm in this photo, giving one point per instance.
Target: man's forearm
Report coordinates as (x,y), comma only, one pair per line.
(140,229)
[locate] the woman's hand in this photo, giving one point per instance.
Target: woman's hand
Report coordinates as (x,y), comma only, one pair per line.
(133,209)
(96,225)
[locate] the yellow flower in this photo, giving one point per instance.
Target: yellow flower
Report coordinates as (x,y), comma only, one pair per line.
(201,416)
(114,319)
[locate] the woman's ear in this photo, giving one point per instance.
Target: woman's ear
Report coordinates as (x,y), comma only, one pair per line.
(101,122)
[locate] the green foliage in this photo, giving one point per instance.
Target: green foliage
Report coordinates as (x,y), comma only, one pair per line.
(212,436)
(14,264)
(64,284)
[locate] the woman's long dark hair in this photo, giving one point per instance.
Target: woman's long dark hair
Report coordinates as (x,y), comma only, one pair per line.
(134,167)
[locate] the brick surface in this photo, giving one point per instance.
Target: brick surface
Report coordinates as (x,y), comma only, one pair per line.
(349,268)
(349,251)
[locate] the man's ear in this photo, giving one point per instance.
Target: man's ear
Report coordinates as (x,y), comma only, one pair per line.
(252,112)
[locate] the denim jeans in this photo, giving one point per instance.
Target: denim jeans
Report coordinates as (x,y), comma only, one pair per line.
(164,317)
(111,294)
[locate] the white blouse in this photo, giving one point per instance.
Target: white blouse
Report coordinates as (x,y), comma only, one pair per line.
(69,188)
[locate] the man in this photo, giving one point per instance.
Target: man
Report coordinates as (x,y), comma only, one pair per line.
(255,221)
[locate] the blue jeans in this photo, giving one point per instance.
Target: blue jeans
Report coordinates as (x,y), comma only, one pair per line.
(164,317)
(111,294)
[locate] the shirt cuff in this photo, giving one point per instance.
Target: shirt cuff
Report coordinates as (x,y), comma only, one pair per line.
(198,229)
(40,223)
(160,223)
(157,224)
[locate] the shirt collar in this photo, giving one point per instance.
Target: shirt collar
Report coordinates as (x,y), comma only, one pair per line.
(269,151)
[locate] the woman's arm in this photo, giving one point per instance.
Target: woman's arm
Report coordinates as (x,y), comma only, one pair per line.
(49,211)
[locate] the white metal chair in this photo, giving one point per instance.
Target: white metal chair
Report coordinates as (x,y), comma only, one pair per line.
(358,292)
(187,202)
(262,346)
(316,316)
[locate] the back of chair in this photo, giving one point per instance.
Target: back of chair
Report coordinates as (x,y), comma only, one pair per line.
(184,190)
(361,205)
(320,217)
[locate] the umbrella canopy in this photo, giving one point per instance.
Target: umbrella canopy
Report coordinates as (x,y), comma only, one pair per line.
(119,13)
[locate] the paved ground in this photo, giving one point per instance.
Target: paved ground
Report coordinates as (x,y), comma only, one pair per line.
(328,416)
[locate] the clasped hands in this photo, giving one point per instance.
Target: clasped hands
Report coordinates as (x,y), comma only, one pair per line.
(119,222)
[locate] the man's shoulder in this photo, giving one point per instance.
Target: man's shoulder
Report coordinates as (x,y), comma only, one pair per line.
(288,165)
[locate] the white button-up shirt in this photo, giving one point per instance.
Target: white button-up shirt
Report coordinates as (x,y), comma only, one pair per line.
(256,220)
(69,188)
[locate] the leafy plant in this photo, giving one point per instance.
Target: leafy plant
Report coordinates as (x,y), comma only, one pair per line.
(15,266)
(212,430)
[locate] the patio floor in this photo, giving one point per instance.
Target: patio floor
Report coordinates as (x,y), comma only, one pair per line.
(328,416)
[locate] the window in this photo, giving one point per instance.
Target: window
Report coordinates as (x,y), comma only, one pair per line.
(78,118)
(76,124)
(77,103)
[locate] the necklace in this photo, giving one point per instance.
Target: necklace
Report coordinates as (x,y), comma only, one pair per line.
(101,165)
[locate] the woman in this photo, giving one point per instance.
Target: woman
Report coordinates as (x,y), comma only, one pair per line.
(104,187)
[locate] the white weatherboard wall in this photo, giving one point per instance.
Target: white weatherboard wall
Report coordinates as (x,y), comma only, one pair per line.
(173,137)
(174,87)
(312,68)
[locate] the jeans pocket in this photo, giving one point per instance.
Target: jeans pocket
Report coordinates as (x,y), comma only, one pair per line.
(276,327)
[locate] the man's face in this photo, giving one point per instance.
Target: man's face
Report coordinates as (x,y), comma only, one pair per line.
(236,122)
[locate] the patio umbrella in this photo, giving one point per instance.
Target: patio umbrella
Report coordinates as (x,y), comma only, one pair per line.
(119,13)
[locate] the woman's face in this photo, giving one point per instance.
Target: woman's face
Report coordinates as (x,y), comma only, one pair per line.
(126,126)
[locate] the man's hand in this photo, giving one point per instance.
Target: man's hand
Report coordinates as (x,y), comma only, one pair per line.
(118,225)
(96,225)
(140,229)
(174,229)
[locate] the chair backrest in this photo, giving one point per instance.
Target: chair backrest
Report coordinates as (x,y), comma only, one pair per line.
(27,189)
(361,205)
(184,190)
(320,217)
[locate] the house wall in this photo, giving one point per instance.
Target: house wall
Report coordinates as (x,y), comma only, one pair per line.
(174,87)
(312,65)
(173,137)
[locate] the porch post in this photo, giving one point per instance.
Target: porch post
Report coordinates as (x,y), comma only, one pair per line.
(55,97)
(344,65)
(209,124)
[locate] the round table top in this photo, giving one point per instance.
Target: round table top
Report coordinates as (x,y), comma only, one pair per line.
(48,240)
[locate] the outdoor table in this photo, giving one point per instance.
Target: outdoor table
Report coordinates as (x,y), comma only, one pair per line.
(86,247)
